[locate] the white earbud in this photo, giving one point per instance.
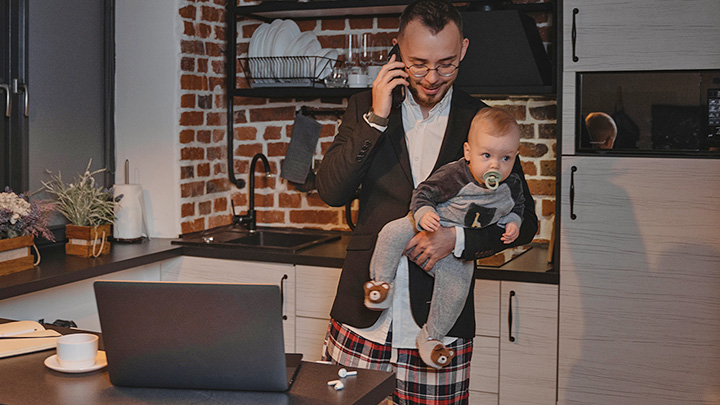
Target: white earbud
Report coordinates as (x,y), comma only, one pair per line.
(344,373)
(337,384)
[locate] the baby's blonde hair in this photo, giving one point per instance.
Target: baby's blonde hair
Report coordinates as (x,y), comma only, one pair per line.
(499,122)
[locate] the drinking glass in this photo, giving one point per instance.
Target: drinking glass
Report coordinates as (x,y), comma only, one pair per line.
(365,44)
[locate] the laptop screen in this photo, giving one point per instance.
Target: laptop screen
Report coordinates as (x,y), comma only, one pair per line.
(194,335)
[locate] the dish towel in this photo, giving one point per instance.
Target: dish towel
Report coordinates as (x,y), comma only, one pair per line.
(299,156)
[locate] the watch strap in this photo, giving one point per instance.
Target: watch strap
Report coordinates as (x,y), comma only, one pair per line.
(376,119)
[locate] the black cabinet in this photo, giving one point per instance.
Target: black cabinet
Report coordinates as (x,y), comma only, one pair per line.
(56,94)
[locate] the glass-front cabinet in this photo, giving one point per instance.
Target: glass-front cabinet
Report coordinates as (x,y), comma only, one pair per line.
(648,112)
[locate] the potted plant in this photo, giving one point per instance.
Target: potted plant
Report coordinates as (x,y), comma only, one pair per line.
(89,209)
(20,222)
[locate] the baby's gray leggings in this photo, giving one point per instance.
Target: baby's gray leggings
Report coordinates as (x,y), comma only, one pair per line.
(453,276)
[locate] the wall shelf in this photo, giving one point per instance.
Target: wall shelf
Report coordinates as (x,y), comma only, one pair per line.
(323,92)
(270,10)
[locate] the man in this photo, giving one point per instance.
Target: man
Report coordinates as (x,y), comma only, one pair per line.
(386,151)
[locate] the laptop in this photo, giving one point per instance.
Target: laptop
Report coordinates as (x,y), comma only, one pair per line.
(194,335)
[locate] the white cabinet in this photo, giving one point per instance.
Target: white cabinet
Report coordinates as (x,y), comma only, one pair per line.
(74,301)
(521,371)
(634,35)
(640,282)
(315,293)
(528,343)
(641,34)
(197,269)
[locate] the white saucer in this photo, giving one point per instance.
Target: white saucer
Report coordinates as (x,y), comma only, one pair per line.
(100,362)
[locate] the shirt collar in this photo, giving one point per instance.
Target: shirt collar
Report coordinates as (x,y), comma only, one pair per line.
(412,109)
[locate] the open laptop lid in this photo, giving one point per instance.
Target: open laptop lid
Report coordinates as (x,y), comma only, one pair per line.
(194,335)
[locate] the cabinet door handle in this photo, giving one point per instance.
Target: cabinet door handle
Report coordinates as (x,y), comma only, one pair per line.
(18,88)
(572,192)
(8,108)
(282,294)
(510,317)
(573,35)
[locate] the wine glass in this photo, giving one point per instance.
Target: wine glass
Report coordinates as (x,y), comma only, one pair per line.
(364,50)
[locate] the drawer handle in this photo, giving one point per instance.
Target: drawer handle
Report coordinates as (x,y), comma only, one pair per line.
(573,35)
(282,294)
(510,317)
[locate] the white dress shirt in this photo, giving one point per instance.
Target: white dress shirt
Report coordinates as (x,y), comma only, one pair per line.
(423,138)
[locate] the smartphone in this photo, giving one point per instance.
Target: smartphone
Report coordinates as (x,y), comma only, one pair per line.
(398,93)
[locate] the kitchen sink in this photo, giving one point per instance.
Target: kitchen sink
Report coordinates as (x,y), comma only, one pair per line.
(277,239)
(286,240)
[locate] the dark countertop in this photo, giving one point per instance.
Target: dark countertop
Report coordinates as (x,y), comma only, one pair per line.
(57,268)
(26,380)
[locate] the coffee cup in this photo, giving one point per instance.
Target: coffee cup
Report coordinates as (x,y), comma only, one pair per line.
(372,74)
(77,350)
(357,80)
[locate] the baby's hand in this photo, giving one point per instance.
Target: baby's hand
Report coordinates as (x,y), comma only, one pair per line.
(430,221)
(512,231)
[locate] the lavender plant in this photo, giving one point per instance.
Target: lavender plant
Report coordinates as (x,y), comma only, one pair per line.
(19,216)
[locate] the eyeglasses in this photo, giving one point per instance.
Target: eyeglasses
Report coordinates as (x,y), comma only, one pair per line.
(444,70)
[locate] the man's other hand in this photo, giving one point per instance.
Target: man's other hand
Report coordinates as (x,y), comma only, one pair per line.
(426,248)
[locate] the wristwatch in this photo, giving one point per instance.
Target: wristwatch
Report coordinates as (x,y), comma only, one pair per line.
(376,119)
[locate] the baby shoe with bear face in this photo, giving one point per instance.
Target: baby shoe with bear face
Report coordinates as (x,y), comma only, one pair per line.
(378,295)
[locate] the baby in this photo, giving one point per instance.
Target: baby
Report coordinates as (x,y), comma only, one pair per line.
(476,191)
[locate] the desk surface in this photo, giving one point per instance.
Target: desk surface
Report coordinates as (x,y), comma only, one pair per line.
(24,379)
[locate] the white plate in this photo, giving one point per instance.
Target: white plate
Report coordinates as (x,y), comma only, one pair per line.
(256,40)
(325,64)
(300,42)
(269,40)
(311,49)
(287,32)
(255,48)
(100,362)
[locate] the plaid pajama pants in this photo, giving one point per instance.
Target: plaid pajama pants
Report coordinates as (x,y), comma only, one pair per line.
(416,383)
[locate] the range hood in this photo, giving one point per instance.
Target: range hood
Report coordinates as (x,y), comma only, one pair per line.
(506,55)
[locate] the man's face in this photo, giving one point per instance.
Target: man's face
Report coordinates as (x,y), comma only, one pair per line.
(419,46)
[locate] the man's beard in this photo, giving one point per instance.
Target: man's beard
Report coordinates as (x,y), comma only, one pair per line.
(428,101)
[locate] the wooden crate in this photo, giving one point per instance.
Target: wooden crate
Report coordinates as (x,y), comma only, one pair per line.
(15,254)
(81,239)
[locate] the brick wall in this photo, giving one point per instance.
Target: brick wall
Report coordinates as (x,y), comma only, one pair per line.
(265,125)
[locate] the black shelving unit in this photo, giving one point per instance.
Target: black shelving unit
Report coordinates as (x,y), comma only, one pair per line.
(270,10)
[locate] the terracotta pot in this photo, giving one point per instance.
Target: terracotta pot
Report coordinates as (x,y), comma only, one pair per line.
(15,254)
(87,241)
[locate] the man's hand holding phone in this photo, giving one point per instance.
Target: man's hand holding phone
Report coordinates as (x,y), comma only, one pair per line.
(391,75)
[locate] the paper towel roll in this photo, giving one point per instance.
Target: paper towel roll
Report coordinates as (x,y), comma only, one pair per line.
(129,212)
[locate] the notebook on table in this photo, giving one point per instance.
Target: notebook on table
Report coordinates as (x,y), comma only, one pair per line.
(194,335)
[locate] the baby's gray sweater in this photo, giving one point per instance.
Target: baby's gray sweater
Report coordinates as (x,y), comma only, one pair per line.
(460,200)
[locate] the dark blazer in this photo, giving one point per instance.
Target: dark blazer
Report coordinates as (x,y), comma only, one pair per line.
(379,164)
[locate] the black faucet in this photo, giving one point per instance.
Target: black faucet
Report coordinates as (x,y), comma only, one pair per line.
(249,219)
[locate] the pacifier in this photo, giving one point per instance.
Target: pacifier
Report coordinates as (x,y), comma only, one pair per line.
(492,179)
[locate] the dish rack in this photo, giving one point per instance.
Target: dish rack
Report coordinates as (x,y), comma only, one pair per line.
(286,71)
